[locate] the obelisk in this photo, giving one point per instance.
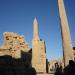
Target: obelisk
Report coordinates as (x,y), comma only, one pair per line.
(66,38)
(35,30)
(38,50)
(35,46)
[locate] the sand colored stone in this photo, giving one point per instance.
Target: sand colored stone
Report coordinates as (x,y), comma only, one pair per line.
(13,45)
(38,51)
(65,32)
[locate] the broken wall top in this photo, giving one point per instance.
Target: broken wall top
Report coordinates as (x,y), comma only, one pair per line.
(14,41)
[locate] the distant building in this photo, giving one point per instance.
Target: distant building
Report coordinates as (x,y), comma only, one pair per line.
(51,65)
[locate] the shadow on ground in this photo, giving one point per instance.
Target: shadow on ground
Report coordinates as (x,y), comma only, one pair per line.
(12,66)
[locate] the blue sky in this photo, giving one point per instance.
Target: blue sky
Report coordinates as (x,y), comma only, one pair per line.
(18,15)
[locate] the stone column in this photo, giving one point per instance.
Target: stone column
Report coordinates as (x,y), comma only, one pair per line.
(35,45)
(35,30)
(66,38)
(38,51)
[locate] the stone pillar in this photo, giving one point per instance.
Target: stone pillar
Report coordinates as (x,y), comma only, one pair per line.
(66,38)
(38,51)
(35,32)
(35,45)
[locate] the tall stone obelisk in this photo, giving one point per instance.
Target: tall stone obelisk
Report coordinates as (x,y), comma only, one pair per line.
(35,32)
(66,38)
(35,45)
(38,51)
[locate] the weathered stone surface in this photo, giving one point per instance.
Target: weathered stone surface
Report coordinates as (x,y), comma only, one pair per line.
(66,38)
(13,45)
(38,51)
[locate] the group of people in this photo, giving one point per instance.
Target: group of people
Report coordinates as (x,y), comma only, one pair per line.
(68,70)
